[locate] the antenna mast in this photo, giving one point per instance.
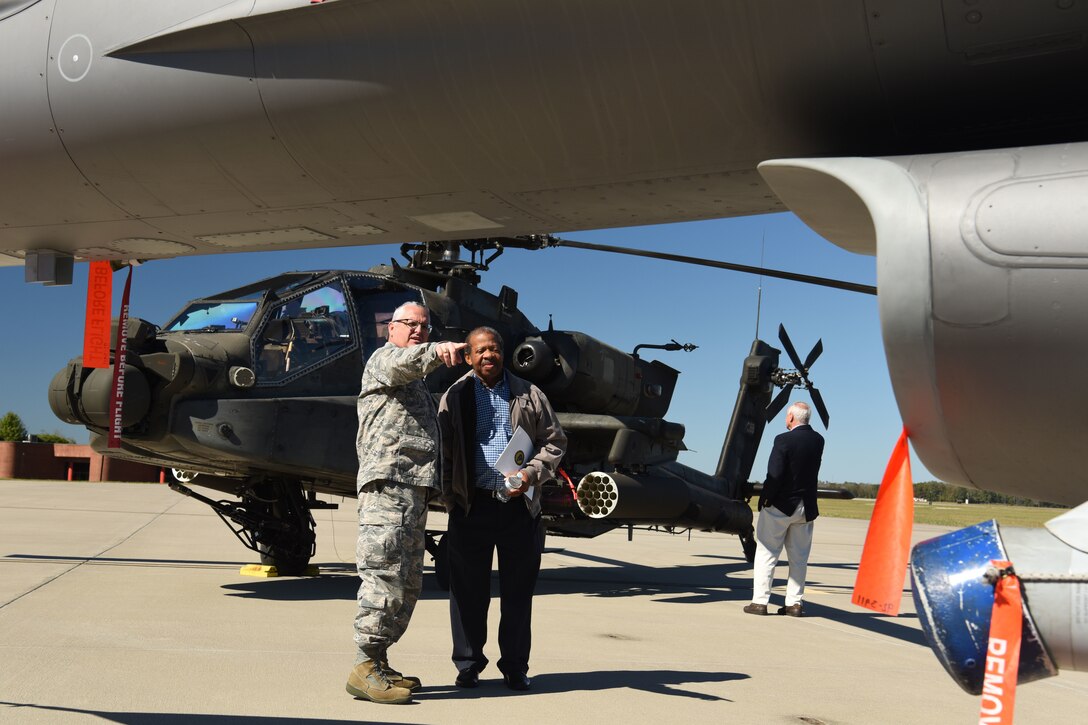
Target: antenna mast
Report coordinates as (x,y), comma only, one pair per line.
(759,290)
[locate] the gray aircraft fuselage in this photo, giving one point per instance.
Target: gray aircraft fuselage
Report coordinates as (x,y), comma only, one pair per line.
(142,130)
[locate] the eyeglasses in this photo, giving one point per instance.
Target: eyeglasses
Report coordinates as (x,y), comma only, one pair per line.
(413,325)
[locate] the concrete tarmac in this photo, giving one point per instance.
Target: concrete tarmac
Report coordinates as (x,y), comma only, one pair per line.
(123,603)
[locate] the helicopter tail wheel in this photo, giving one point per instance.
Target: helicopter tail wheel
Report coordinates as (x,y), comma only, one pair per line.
(748,544)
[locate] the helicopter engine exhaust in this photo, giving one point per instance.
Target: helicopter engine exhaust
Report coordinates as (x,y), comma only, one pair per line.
(590,376)
(660,500)
(954,602)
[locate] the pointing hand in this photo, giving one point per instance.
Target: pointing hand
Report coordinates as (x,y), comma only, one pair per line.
(449,353)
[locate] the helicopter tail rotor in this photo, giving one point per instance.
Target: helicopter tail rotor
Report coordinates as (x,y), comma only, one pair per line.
(799,377)
(816,351)
(779,402)
(818,401)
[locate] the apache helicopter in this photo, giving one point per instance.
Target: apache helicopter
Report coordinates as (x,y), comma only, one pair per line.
(251,392)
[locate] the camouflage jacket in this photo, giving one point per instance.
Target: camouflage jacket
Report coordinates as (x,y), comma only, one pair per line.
(398,438)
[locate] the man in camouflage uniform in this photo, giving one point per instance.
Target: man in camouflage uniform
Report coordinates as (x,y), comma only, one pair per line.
(398,446)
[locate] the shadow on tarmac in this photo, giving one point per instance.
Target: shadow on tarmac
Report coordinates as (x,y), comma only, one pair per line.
(173,718)
(658,682)
(721,580)
(127,561)
(870,622)
(300,589)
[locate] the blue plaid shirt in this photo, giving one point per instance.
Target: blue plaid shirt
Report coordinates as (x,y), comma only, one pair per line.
(493,431)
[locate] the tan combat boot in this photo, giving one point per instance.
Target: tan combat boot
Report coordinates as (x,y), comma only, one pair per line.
(397,679)
(368,681)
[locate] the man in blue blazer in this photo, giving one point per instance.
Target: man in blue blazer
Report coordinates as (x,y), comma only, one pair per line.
(787,508)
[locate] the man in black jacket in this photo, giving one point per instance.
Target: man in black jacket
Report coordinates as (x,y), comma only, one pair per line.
(787,509)
(478,415)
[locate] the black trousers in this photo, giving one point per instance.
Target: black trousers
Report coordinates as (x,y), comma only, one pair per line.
(473,539)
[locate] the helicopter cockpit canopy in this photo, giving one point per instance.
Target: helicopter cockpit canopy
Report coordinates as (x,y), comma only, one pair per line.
(303,331)
(299,321)
(313,325)
(214,316)
(232,311)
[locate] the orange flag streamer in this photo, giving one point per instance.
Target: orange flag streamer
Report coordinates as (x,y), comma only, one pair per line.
(1002,650)
(96,328)
(879,585)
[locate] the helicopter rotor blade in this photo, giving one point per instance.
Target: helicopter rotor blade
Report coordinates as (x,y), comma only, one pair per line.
(778,403)
(791,351)
(818,401)
(792,276)
(816,351)
(802,369)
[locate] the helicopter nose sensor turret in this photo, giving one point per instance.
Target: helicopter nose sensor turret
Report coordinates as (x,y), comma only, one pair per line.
(81,396)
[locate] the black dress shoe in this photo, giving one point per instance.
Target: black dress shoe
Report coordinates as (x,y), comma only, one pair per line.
(516,680)
(468,677)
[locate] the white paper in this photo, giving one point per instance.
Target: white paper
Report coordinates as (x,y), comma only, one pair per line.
(520,448)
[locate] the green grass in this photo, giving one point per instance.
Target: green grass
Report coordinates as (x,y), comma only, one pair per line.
(957,515)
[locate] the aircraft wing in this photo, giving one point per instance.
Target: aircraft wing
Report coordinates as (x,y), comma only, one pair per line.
(946,137)
(207,126)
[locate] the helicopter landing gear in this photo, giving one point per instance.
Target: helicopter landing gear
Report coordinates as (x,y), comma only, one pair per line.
(272,519)
(748,543)
(285,535)
(439,550)
(288,562)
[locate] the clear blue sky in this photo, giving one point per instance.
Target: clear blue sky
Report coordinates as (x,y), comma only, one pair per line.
(621,300)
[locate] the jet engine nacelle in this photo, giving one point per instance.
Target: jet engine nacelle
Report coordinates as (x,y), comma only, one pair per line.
(982,269)
(954,600)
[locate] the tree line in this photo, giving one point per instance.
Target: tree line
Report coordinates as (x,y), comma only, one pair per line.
(944,492)
(12,429)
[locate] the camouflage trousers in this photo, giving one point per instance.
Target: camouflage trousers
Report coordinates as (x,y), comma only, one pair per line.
(389,557)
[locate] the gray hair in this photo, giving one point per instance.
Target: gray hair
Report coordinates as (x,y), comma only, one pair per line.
(801,413)
(396,312)
(485,330)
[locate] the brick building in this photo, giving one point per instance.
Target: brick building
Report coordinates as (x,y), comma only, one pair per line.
(69,462)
